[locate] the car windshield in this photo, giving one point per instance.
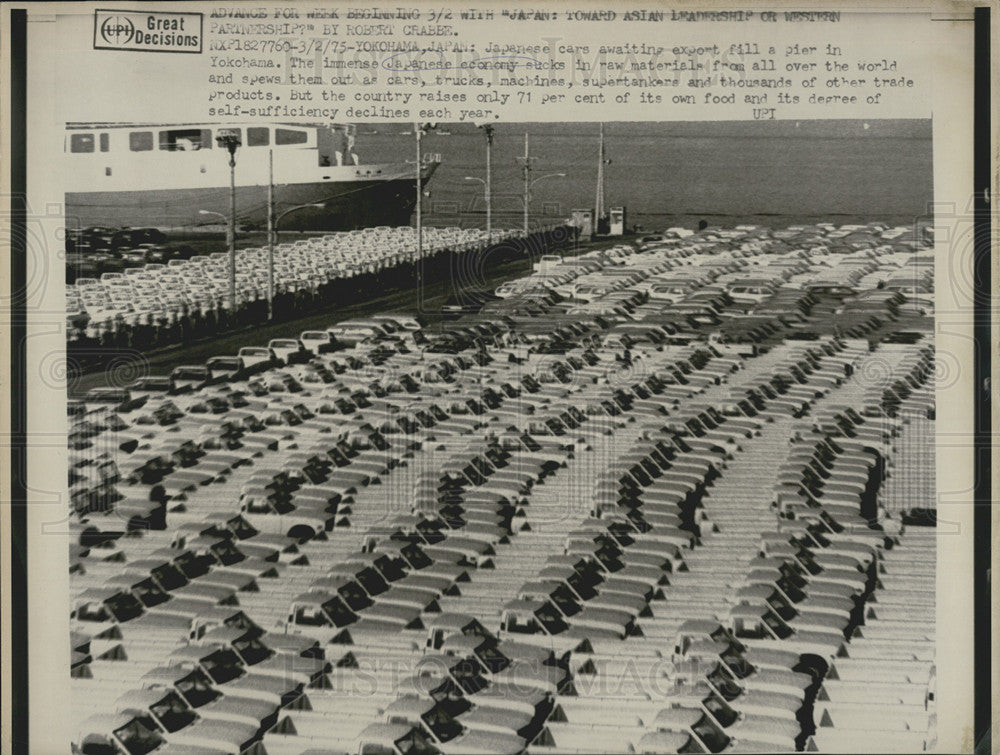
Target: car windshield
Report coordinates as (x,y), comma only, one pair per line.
(482,465)
(709,733)
(354,596)
(582,587)
(227,553)
(781,606)
(223,666)
(140,735)
(724,682)
(780,628)
(472,474)
(793,572)
(610,408)
(444,727)
(818,536)
(252,651)
(416,557)
(721,710)
(192,565)
(284,344)
(172,713)
(390,567)
(372,581)
(148,592)
(550,618)
(563,599)
(736,662)
(496,456)
(451,695)
(197,689)
(416,743)
(806,559)
(789,587)
(468,675)
(492,658)
(608,556)
(124,606)
(338,612)
(241,528)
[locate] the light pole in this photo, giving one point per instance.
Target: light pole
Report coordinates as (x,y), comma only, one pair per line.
(526,163)
(418,130)
(272,238)
(229,139)
(488,129)
(270,234)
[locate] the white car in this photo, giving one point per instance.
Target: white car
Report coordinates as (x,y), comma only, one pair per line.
(668,292)
(547,261)
(352,335)
(506,289)
(289,350)
(750,294)
(406,322)
(256,356)
(317,341)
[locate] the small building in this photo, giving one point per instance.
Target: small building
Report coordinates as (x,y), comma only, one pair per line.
(584,220)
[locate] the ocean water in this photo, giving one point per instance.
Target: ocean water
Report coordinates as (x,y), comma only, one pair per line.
(675,174)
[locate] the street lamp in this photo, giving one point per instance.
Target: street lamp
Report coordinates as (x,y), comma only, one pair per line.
(229,139)
(272,238)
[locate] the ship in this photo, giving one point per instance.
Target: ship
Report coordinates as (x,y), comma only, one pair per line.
(176,176)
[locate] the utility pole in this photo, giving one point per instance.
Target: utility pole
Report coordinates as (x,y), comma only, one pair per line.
(419,131)
(232,234)
(488,128)
(526,163)
(229,139)
(270,234)
(599,200)
(527,182)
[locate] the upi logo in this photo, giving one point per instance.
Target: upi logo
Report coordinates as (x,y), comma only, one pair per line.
(117,31)
(144,31)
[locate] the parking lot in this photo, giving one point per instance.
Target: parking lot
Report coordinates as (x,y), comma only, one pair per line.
(671,495)
(162,304)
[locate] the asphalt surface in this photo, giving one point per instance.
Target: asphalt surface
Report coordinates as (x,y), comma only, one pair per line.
(426,301)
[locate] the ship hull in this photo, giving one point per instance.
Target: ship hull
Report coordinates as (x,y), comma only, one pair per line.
(347,205)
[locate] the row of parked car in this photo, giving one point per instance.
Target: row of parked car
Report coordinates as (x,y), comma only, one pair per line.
(526,531)
(201,281)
